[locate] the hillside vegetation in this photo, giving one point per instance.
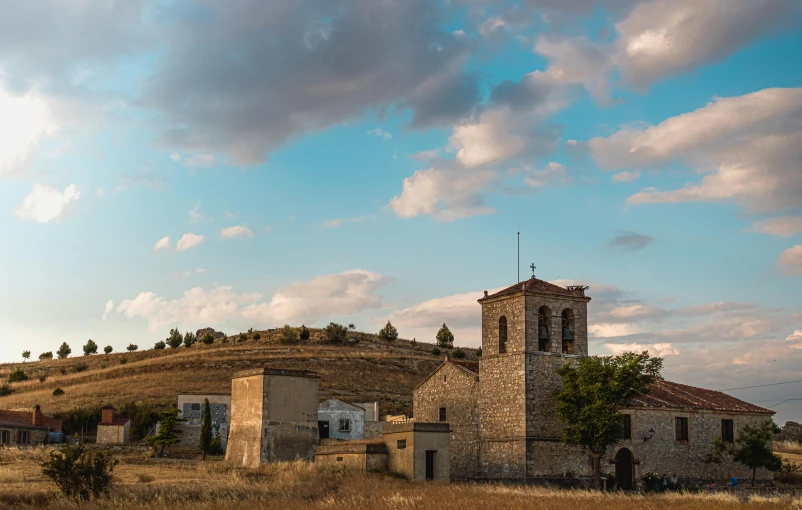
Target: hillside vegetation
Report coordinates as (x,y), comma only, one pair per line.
(363,369)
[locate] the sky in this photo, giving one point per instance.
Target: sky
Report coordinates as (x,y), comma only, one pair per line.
(176,163)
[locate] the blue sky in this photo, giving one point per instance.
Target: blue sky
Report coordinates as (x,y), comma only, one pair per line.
(359,161)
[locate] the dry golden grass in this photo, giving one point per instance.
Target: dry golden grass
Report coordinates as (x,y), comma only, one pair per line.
(788,447)
(370,370)
(142,483)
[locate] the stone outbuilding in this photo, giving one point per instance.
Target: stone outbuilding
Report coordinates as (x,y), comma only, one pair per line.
(113,429)
(273,416)
(502,411)
(337,419)
(21,428)
(190,409)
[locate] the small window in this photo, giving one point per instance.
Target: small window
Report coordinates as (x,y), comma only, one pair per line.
(727,432)
(401,444)
(444,377)
(195,407)
(443,414)
(502,335)
(24,437)
(3,437)
(339,459)
(627,426)
(681,428)
(345,425)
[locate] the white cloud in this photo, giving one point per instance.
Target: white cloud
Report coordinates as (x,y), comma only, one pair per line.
(46,203)
(338,222)
(576,61)
(187,241)
(195,215)
(107,311)
(162,244)
(782,226)
(553,174)
(602,330)
(493,138)
(491,26)
(236,231)
(25,121)
(662,350)
(379,132)
(716,307)
(790,260)
(425,155)
(626,176)
(795,338)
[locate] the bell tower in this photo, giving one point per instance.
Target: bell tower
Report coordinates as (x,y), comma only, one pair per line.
(529,330)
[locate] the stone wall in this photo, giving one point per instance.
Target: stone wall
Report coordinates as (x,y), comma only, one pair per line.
(334,410)
(13,435)
(664,454)
(455,389)
(113,434)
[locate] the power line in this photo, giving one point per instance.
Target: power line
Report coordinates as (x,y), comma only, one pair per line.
(760,385)
(784,401)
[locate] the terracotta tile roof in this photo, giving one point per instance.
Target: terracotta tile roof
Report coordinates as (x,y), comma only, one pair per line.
(682,396)
(466,365)
(534,285)
(15,424)
(27,417)
(118,422)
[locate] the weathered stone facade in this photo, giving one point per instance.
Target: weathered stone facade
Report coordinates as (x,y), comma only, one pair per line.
(190,409)
(22,428)
(337,419)
(115,433)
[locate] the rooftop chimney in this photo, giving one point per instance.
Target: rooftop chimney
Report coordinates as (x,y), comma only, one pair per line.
(107,415)
(36,416)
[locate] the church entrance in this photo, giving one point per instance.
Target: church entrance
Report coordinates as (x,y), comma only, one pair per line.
(624,469)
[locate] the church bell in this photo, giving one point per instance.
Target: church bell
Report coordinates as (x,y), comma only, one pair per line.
(567,335)
(543,333)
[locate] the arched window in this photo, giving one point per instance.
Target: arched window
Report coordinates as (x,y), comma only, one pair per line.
(543,329)
(502,335)
(568,331)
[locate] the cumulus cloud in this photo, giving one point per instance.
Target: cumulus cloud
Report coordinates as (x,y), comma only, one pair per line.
(625,176)
(162,244)
(236,231)
(630,241)
(795,339)
(782,226)
(661,350)
(553,174)
(46,203)
(108,310)
(790,260)
(26,120)
(187,241)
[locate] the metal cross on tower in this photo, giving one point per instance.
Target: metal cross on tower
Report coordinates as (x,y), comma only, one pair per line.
(533,267)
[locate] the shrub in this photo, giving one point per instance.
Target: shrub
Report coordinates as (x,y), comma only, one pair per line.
(80,367)
(5,390)
(242,337)
(142,417)
(216,447)
(46,355)
(288,334)
(436,352)
(458,354)
(388,333)
(62,371)
(132,347)
(17,376)
(208,339)
(58,392)
(445,338)
(304,333)
(190,339)
(160,345)
(103,366)
(108,349)
(90,348)
(64,351)
(351,326)
(336,333)
(175,339)
(79,473)
(257,336)
(123,361)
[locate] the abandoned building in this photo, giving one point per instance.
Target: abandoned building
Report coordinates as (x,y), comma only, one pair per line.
(501,410)
(337,419)
(190,410)
(273,416)
(21,428)
(113,429)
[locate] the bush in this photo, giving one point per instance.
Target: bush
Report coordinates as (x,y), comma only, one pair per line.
(108,349)
(42,378)
(257,336)
(436,352)
(90,348)
(62,371)
(388,333)
(208,339)
(46,355)
(58,392)
(79,473)
(5,390)
(304,333)
(123,360)
(17,376)
(336,333)
(132,347)
(458,354)
(242,337)
(64,351)
(288,334)
(80,367)
(216,447)
(160,345)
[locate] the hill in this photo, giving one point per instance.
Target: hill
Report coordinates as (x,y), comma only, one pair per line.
(366,369)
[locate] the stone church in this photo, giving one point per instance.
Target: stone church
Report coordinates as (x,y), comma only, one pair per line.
(501,411)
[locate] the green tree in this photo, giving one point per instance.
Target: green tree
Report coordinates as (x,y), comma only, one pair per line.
(304,333)
(206,429)
(46,355)
(189,339)
(593,393)
(108,349)
(90,348)
(166,436)
(388,332)
(26,355)
(132,347)
(458,354)
(288,334)
(436,352)
(753,448)
(63,351)
(335,333)
(159,345)
(208,339)
(79,473)
(445,338)
(716,454)
(175,339)
(17,375)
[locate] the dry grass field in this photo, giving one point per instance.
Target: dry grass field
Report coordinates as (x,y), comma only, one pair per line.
(367,371)
(143,483)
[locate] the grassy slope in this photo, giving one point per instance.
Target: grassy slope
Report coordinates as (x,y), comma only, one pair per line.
(370,370)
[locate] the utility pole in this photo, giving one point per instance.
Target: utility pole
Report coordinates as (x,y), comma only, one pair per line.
(519,257)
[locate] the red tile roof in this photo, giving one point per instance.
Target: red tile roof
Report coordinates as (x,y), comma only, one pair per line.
(118,422)
(466,365)
(27,417)
(682,396)
(535,285)
(15,424)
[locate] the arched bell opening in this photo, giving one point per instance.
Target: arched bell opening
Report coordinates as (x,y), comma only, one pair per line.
(543,329)
(568,331)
